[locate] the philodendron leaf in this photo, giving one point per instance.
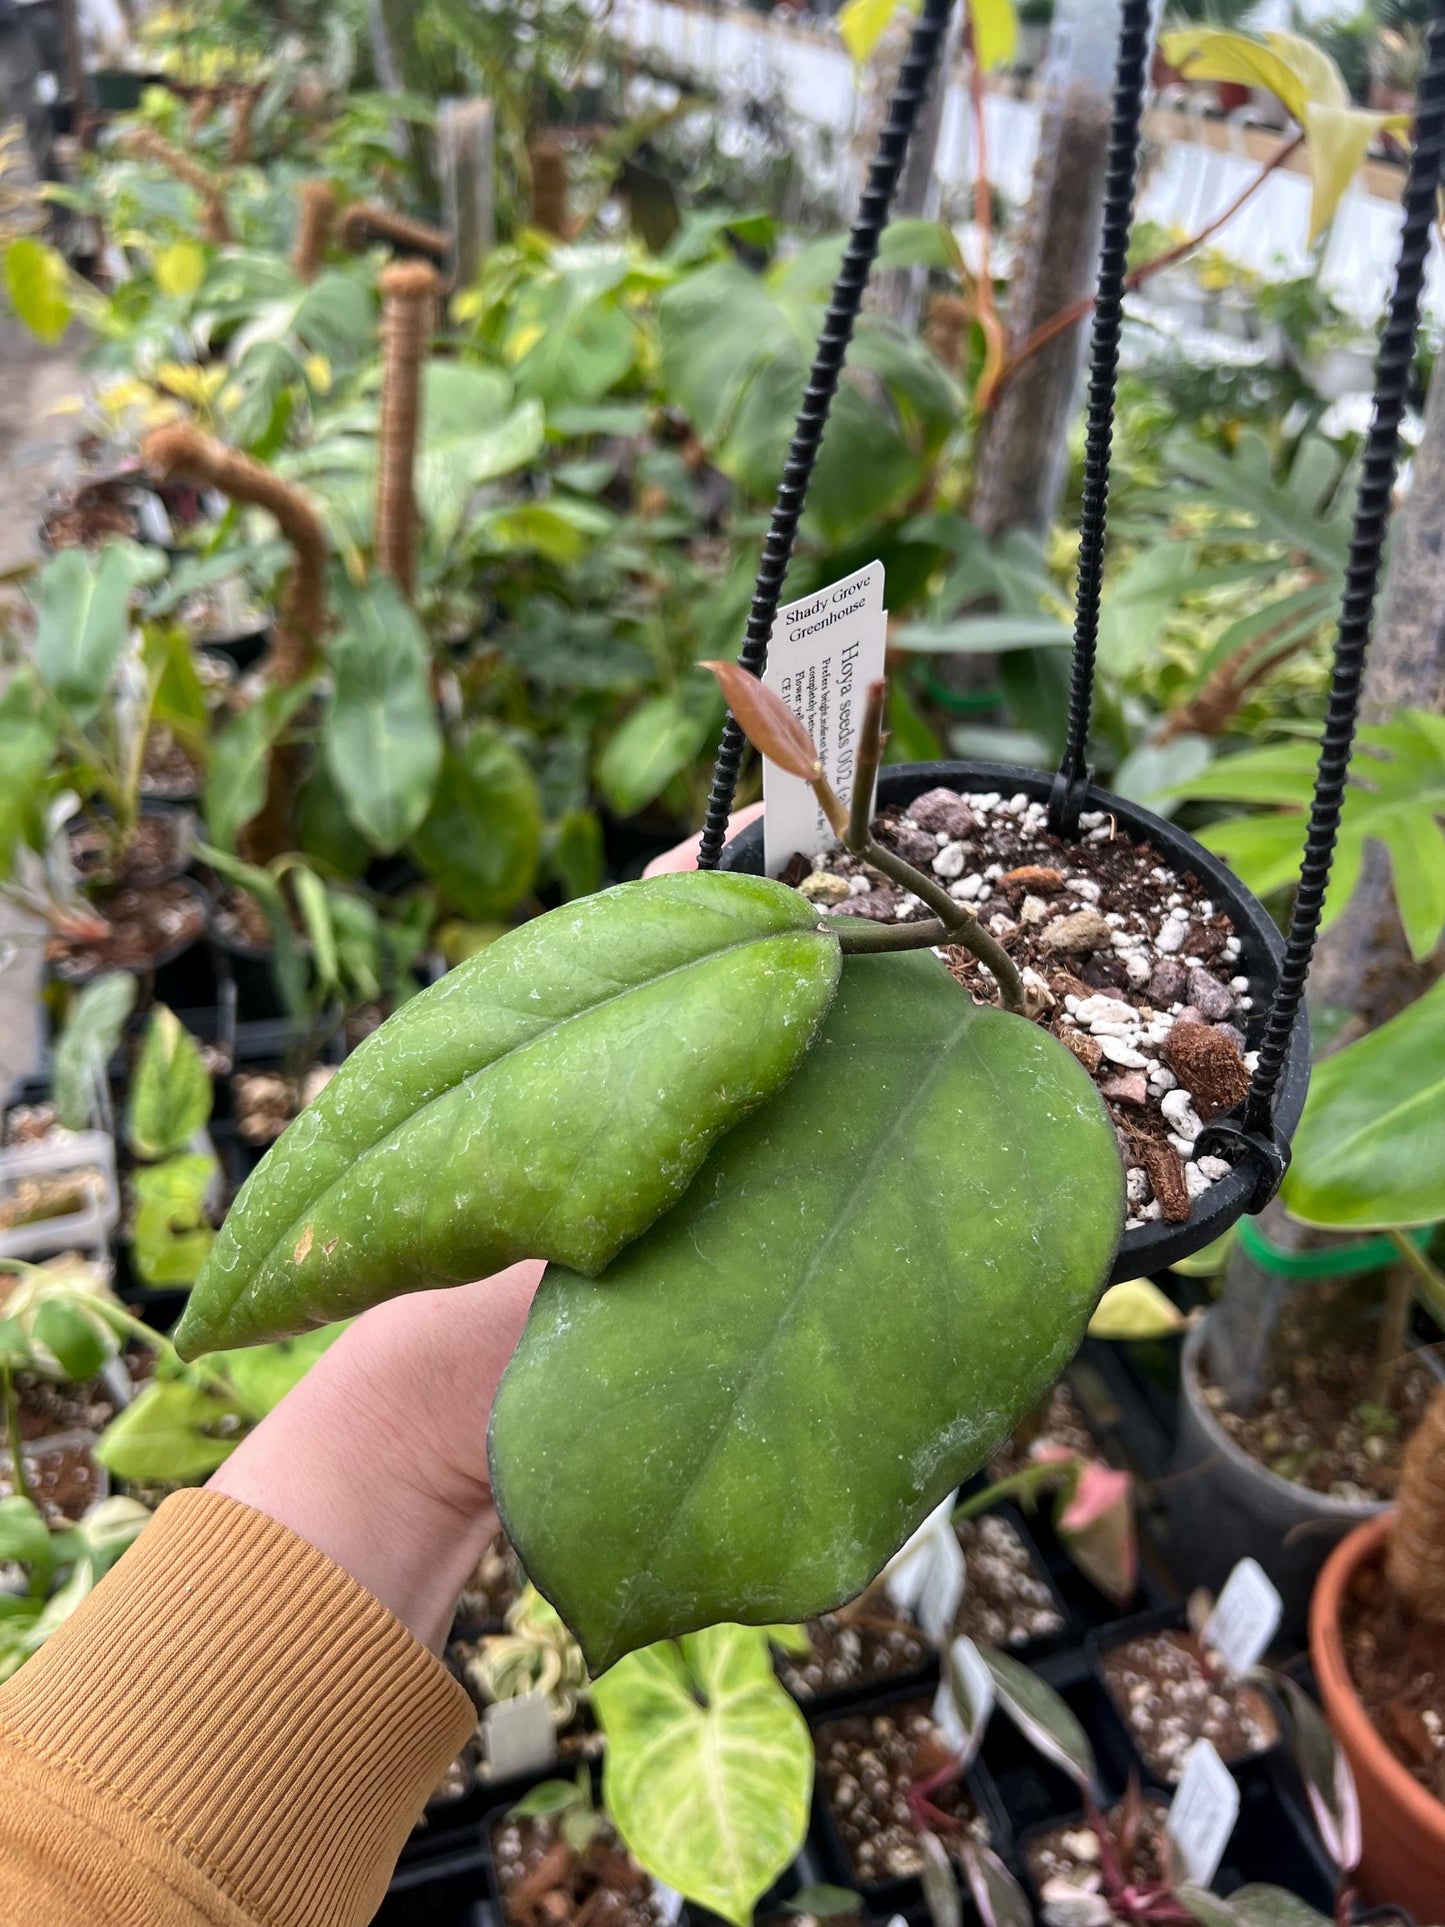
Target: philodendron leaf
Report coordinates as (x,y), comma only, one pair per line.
(170,1233)
(547,1099)
(861,1293)
(170,1098)
(382,740)
(91,1035)
(1369,1154)
(171,1430)
(709,1766)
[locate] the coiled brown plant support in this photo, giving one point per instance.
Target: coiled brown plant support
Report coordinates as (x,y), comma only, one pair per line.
(549,185)
(179,450)
(366,221)
(317,201)
(1415,1563)
(144,143)
(409,292)
(243,106)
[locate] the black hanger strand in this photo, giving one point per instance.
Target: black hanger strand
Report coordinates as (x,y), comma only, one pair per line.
(1066,798)
(843,307)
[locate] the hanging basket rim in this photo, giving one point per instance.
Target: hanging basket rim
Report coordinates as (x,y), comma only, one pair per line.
(1155,1246)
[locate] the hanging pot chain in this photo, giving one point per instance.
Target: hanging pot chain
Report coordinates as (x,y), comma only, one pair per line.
(847,298)
(1252,1134)
(1072,779)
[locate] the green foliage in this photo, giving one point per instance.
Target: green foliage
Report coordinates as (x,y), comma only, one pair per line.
(481,839)
(239,759)
(171,1232)
(864,1285)
(91,1036)
(27,743)
(84,620)
(62,1566)
(511,1085)
(1396,798)
(709,1766)
(472,431)
(1369,1154)
(383,743)
(37,282)
(170,1096)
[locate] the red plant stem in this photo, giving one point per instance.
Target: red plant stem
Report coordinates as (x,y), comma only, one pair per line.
(989,391)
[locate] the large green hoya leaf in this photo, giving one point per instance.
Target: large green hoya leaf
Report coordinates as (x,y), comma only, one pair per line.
(709,1766)
(547,1099)
(855,1300)
(1369,1154)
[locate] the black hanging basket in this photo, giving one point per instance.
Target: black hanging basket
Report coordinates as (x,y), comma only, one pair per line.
(1255,1139)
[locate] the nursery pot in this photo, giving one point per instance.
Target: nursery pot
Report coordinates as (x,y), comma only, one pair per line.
(1225,1506)
(1153,1247)
(1404,1827)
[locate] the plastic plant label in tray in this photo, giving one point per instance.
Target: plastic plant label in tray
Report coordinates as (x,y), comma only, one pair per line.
(1245,1618)
(1203,1812)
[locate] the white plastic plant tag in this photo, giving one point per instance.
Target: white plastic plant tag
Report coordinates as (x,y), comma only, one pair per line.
(942,1586)
(965,1674)
(518,1736)
(1203,1812)
(1245,1618)
(669,1902)
(906,1570)
(823,653)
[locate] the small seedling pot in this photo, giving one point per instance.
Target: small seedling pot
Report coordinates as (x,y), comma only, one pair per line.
(1098,1645)
(830,1702)
(1035,1646)
(243,649)
(491,1822)
(53,1160)
(1225,1506)
(1033,1791)
(902,1893)
(1153,1247)
(180,971)
(1404,1826)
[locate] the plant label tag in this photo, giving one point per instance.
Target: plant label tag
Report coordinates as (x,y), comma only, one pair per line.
(1245,1618)
(823,653)
(965,1697)
(669,1902)
(906,1570)
(1203,1812)
(518,1736)
(942,1586)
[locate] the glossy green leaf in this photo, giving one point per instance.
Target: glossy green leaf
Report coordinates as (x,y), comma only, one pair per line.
(858,1296)
(1041,1715)
(77,1343)
(263,1374)
(1135,1308)
(482,837)
(171,1234)
(657,740)
(24,1536)
(239,756)
(83,621)
(92,1032)
(172,1430)
(27,743)
(383,742)
(37,282)
(547,1099)
(170,1096)
(1369,1154)
(709,1766)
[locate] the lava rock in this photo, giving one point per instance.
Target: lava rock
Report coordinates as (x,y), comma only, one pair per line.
(872,905)
(941,810)
(914,846)
(1212,999)
(1168,983)
(1107,973)
(1128,1087)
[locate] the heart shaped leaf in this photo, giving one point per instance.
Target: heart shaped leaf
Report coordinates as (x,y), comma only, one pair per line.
(548,1099)
(857,1298)
(709,1766)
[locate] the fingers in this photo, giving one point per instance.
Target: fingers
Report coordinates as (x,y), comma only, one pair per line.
(684,857)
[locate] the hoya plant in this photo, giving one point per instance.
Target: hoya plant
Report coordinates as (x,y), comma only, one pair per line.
(821,1228)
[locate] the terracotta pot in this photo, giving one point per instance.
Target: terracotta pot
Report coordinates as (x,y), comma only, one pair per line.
(1404,1827)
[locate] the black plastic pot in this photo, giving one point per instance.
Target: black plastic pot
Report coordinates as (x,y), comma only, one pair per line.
(242,650)
(1154,1246)
(905,1893)
(1257,1766)
(181,975)
(116,90)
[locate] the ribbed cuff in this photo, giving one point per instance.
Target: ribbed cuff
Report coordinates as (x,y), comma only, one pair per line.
(273,1719)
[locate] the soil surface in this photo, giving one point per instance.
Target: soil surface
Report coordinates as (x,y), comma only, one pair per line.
(1141,966)
(1323,1423)
(1169,1696)
(57,1194)
(1006,1600)
(543,1883)
(1398,1667)
(265,1102)
(28,1124)
(170,771)
(156,852)
(1071,1851)
(455,1784)
(849,1652)
(144,924)
(1058,1421)
(63,1483)
(239,919)
(90,521)
(492,1589)
(868,1766)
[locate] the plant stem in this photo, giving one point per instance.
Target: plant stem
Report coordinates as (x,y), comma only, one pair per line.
(12,1433)
(1026,1483)
(1398,1295)
(1429,1280)
(959,923)
(866,764)
(857,937)
(1067,317)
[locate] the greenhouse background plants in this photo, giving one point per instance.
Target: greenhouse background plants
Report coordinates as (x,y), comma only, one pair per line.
(929,1486)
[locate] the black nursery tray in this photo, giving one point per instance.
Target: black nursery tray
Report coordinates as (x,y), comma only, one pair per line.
(1155,1246)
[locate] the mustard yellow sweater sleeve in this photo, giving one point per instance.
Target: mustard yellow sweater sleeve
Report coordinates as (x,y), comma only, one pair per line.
(230,1731)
